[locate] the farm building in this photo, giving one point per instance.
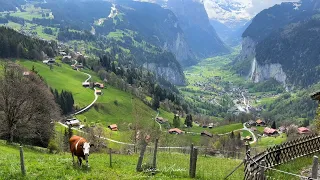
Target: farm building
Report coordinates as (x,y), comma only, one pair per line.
(161,120)
(99,85)
(113,127)
(260,122)
(252,123)
(49,61)
(269,131)
(248,138)
(303,130)
(206,133)
(210,125)
(175,131)
(73,122)
(86,84)
(98,92)
(282,129)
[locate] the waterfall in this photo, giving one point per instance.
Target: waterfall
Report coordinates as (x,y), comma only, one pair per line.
(254,66)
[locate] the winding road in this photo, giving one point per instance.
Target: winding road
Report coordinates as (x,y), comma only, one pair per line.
(253,135)
(160,126)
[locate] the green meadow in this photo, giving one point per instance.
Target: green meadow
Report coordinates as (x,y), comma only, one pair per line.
(42,165)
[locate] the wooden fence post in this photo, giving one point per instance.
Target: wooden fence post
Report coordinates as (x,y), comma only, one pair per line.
(154,166)
(191,155)
(143,149)
(315,167)
(194,163)
(110,157)
(23,169)
(262,170)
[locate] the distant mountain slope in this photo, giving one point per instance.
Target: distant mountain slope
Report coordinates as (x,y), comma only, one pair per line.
(10,5)
(282,43)
(200,34)
(143,33)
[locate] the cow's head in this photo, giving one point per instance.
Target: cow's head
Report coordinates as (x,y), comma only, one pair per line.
(86,148)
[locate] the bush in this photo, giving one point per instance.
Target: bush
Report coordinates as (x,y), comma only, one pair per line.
(116,102)
(52,146)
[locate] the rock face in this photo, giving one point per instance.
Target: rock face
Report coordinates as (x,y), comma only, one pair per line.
(282,43)
(194,22)
(169,73)
(264,72)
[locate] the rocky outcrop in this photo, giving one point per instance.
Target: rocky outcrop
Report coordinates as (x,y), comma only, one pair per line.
(248,49)
(264,72)
(180,48)
(171,74)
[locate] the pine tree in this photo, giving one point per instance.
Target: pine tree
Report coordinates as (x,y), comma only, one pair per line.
(273,126)
(176,121)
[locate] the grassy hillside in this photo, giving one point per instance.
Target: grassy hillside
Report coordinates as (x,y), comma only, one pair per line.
(40,165)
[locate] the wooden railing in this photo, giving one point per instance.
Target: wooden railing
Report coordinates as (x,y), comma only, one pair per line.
(280,154)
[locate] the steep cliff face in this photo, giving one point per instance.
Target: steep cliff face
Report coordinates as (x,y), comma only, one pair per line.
(158,26)
(169,73)
(194,22)
(282,43)
(264,72)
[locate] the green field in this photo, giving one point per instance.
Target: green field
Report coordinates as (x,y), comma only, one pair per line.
(227,128)
(41,165)
(64,78)
(271,141)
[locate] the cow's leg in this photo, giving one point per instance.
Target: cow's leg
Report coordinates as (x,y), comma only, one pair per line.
(86,159)
(80,161)
(72,158)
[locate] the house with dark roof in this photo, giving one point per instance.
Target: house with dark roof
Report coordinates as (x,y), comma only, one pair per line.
(175,131)
(260,122)
(113,127)
(206,133)
(161,120)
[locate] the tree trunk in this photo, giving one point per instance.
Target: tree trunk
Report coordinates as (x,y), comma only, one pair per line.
(143,149)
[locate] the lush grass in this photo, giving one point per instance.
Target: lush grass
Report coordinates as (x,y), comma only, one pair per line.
(227,128)
(271,141)
(40,165)
(64,78)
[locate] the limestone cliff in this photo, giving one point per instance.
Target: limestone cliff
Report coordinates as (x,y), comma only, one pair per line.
(172,74)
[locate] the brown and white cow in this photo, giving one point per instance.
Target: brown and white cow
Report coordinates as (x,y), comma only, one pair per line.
(80,147)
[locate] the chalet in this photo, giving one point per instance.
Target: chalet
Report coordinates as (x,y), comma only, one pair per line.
(161,120)
(66,59)
(86,84)
(175,131)
(49,61)
(26,73)
(260,122)
(252,123)
(282,129)
(206,133)
(73,122)
(303,130)
(99,85)
(248,138)
(98,92)
(210,125)
(269,131)
(80,65)
(62,53)
(113,127)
